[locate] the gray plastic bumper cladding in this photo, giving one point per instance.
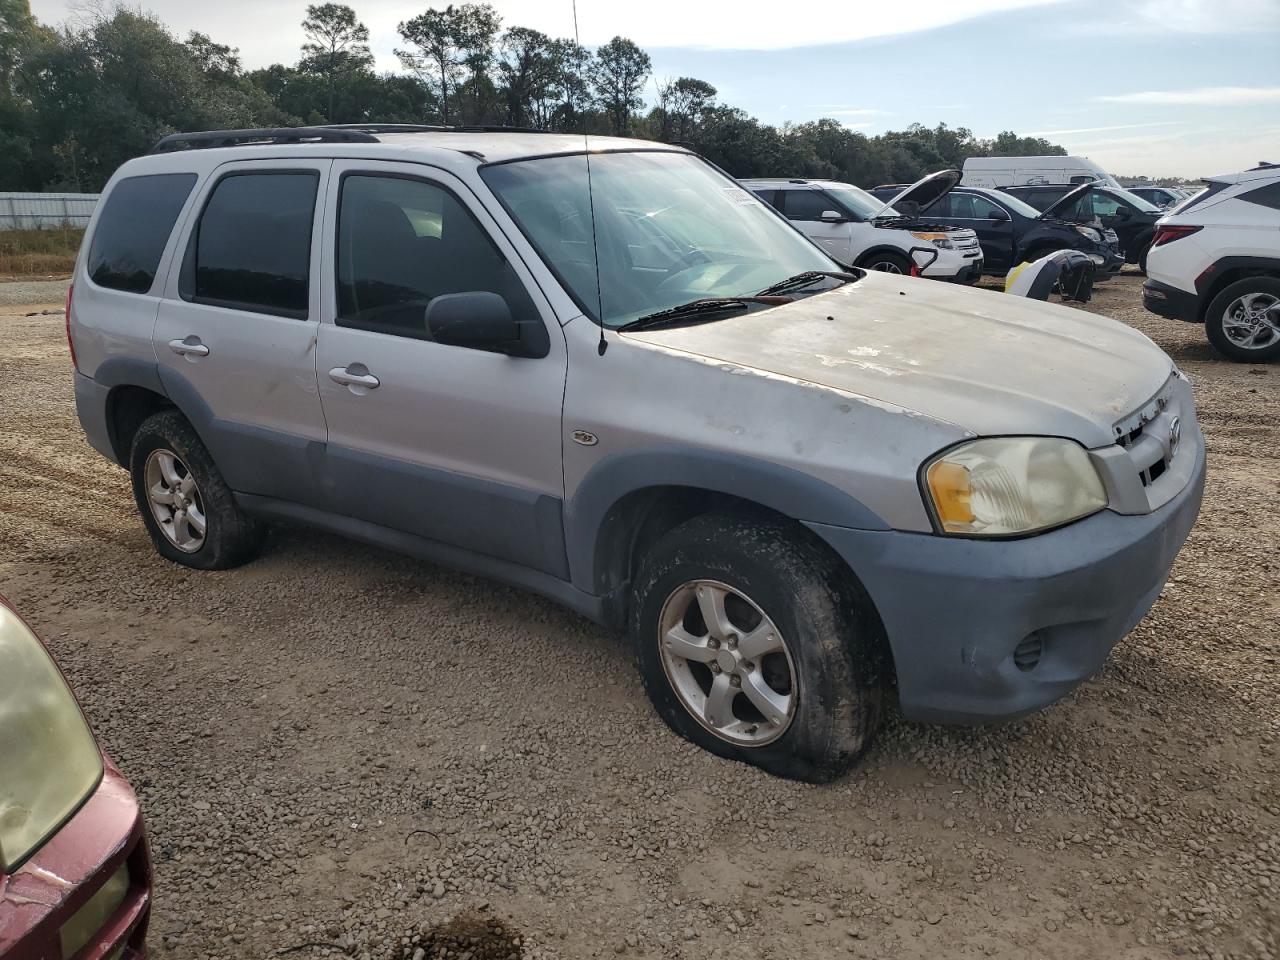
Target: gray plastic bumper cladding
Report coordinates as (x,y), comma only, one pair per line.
(91,407)
(993,630)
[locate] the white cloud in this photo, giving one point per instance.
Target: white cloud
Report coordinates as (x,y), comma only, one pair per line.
(1210,16)
(1199,97)
(843,110)
(1122,126)
(268,31)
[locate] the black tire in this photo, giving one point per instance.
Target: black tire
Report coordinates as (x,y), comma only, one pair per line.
(1142,258)
(230,538)
(830,630)
(887,262)
(1214,327)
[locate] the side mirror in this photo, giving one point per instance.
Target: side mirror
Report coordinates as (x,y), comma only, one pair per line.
(998,215)
(1124,213)
(832,216)
(478,319)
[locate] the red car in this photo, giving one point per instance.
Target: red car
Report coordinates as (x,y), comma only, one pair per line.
(75,872)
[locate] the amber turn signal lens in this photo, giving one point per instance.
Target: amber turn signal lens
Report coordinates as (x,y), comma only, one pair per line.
(949,485)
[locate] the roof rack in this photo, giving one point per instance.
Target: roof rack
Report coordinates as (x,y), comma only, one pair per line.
(1264,165)
(428,128)
(267,135)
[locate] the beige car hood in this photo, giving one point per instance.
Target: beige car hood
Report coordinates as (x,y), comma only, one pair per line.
(987,362)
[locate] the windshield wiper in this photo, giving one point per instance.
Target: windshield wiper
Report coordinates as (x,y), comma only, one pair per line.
(697,308)
(804,279)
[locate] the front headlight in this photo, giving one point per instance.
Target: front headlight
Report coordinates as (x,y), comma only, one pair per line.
(1005,486)
(49,761)
(940,240)
(1089,233)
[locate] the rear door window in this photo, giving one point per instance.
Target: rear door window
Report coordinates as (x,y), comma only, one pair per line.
(133,229)
(806,204)
(252,247)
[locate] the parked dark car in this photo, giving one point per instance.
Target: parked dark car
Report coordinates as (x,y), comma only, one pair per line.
(75,873)
(1163,197)
(1011,232)
(1132,218)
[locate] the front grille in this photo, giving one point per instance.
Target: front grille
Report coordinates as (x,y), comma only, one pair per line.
(1151,454)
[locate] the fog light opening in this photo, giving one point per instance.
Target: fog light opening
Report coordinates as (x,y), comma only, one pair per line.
(1027,654)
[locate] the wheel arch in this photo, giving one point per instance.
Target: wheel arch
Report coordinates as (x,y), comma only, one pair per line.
(1227,271)
(870,253)
(629,500)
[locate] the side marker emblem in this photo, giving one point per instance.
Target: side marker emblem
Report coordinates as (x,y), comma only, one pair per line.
(585,438)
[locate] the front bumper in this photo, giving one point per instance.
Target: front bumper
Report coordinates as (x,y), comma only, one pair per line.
(962,615)
(1168,301)
(40,901)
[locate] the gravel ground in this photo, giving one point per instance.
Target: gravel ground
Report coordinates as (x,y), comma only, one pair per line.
(337,745)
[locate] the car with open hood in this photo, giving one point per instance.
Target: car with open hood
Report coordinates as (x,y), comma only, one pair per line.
(75,873)
(1011,232)
(602,370)
(861,230)
(1102,206)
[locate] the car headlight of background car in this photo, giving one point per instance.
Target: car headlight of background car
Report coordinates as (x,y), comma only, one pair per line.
(49,760)
(940,240)
(1004,486)
(1089,234)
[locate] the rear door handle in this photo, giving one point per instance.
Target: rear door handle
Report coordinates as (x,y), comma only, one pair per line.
(356,376)
(189,347)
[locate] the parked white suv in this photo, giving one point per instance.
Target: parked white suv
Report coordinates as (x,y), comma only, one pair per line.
(861,230)
(1215,259)
(633,387)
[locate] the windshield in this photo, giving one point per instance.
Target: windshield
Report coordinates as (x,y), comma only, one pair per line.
(857,201)
(1019,206)
(669,229)
(1144,205)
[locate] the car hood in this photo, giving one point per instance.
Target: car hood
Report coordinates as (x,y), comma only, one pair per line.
(989,363)
(925,192)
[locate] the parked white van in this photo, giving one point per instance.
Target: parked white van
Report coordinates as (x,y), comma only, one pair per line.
(1000,172)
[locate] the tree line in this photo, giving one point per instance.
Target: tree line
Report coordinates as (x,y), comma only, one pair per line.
(77,102)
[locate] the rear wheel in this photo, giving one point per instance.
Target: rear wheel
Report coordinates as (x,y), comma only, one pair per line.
(187,508)
(887,262)
(753,644)
(1243,320)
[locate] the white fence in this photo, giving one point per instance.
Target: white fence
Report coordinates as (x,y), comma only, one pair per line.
(28,211)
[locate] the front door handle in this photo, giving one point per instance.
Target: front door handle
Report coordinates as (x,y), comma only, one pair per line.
(189,347)
(356,376)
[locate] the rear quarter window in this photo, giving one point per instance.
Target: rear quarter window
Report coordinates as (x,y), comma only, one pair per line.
(134,227)
(1268,196)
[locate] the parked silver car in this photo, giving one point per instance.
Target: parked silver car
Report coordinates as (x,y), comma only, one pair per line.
(622,381)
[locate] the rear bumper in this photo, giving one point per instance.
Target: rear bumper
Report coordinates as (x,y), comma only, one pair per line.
(1169,301)
(957,610)
(91,408)
(42,897)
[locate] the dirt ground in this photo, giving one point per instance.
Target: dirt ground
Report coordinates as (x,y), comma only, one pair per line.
(334,745)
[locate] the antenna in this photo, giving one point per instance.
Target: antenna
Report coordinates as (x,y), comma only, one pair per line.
(591,204)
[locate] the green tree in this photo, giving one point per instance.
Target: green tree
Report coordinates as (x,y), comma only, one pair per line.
(446,43)
(618,74)
(337,45)
(681,103)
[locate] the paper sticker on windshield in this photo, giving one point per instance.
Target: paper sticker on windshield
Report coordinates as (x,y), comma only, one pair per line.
(739,196)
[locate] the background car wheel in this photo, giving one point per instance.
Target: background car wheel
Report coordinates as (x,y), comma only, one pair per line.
(1142,259)
(185,504)
(755,644)
(1243,320)
(887,263)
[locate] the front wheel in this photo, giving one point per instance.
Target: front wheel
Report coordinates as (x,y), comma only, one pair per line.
(1243,321)
(887,262)
(753,644)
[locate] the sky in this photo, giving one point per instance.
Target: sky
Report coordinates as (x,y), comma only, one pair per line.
(1143,87)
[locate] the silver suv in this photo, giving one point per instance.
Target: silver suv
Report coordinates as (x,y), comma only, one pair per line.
(620,380)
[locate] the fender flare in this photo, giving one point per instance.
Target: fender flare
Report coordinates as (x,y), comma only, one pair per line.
(787,491)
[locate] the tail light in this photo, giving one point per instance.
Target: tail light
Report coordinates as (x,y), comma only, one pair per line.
(1168,234)
(70,343)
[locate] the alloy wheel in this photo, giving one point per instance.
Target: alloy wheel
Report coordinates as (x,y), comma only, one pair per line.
(727,663)
(175,500)
(1252,321)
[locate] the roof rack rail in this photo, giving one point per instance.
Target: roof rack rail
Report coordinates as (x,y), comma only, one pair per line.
(267,135)
(387,127)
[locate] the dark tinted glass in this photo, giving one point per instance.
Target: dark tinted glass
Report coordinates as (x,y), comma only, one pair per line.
(806,204)
(1268,196)
(401,243)
(134,227)
(768,196)
(252,249)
